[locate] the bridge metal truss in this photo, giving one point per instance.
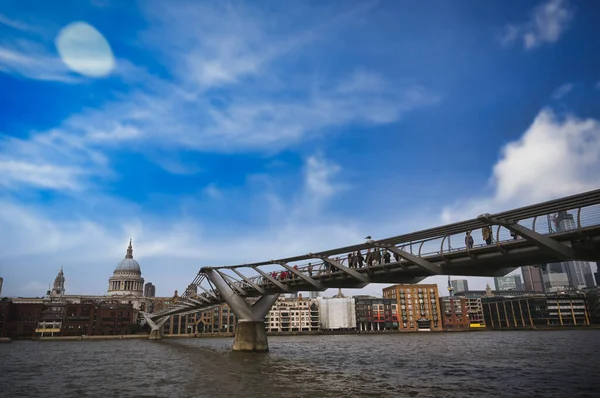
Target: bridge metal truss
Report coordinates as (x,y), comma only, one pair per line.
(523,236)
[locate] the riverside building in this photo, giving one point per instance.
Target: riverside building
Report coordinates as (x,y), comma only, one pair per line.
(59,313)
(293,315)
(536,312)
(418,306)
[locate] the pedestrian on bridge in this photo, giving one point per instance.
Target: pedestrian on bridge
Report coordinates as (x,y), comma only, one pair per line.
(310,268)
(469,240)
(386,257)
(360,259)
(486,232)
(377,256)
(369,257)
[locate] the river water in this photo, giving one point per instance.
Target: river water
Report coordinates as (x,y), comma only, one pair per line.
(483,364)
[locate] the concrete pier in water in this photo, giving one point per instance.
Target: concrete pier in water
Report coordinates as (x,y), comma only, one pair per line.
(250,334)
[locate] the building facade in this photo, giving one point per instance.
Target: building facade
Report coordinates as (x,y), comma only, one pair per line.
(149,290)
(455,315)
(293,315)
(20,320)
(533,280)
(500,293)
(510,282)
(593,303)
(418,306)
(475,312)
(542,311)
(460,285)
(567,275)
(376,314)
(64,314)
(556,278)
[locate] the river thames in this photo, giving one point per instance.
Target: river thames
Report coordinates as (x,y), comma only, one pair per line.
(507,364)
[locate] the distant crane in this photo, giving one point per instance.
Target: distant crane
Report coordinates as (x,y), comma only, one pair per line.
(450,288)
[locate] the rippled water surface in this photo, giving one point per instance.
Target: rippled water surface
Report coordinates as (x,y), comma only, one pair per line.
(524,364)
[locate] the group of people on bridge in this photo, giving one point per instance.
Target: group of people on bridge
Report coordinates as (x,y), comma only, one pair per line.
(487,235)
(355,260)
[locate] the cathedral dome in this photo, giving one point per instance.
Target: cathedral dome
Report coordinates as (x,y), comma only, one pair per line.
(127,279)
(129,265)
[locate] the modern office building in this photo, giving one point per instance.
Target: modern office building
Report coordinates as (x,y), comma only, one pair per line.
(460,285)
(593,303)
(556,278)
(418,306)
(567,274)
(499,293)
(541,311)
(533,279)
(510,282)
(149,290)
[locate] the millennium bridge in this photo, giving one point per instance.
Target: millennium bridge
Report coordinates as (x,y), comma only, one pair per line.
(558,230)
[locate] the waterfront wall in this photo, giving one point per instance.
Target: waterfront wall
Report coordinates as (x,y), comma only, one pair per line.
(107,337)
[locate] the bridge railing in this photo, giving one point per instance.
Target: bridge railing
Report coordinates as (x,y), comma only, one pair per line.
(572,213)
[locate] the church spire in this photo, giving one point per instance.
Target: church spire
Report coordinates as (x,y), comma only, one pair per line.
(59,284)
(129,250)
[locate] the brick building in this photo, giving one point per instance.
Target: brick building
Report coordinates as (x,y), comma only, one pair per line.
(418,306)
(376,314)
(455,313)
(19,321)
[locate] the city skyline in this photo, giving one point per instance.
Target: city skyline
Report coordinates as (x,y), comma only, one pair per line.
(290,129)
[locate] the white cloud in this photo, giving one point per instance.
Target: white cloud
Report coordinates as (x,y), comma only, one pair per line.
(318,177)
(89,245)
(548,22)
(183,115)
(553,158)
(562,91)
(31,60)
(208,53)
(363,82)
(18,25)
(50,160)
(90,248)
(170,119)
(44,176)
(213,192)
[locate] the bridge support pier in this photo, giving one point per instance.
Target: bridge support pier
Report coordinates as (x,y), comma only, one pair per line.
(156,332)
(250,334)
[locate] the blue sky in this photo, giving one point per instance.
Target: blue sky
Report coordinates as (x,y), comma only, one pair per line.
(218,133)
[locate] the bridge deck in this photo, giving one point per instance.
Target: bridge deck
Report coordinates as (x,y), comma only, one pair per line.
(421,254)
